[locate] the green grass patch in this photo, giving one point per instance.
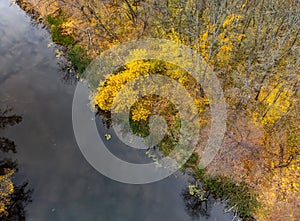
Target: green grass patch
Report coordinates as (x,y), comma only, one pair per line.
(76,54)
(56,29)
(139,128)
(79,58)
(167,145)
(239,195)
(59,38)
(192,162)
(58,19)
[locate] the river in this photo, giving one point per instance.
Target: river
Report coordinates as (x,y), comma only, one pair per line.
(65,187)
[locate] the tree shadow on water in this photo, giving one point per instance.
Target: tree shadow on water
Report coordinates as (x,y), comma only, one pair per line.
(13,197)
(197,207)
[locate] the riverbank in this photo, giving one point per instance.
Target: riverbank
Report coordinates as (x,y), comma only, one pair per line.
(85,31)
(237,195)
(47,155)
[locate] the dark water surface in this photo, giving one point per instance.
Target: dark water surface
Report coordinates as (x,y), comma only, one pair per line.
(66,187)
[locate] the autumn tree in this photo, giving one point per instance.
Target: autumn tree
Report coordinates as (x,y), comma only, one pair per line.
(13,198)
(253,47)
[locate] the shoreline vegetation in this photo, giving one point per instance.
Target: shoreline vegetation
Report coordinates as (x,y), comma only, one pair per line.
(253,47)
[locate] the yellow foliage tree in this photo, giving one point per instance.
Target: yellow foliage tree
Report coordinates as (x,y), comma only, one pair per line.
(109,88)
(6,189)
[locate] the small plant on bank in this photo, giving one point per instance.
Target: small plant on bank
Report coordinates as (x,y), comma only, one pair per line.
(76,54)
(79,58)
(238,195)
(56,29)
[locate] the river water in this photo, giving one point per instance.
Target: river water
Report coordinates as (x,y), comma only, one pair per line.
(65,187)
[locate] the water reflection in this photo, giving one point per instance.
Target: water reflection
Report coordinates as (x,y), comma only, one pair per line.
(196,207)
(68,74)
(15,208)
(65,186)
(6,144)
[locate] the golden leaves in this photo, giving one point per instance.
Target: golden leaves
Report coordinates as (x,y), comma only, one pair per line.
(6,189)
(143,108)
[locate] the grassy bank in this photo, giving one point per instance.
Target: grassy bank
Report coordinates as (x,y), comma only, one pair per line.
(75,53)
(55,22)
(238,195)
